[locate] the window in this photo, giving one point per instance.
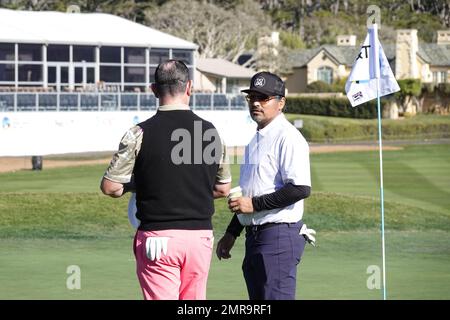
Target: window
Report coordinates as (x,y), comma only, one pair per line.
(135,55)
(440,76)
(232,86)
(152,74)
(444,76)
(6,72)
(191,73)
(84,74)
(7,52)
(110,54)
(218,84)
(183,55)
(158,55)
(30,73)
(325,74)
(435,77)
(110,74)
(52,74)
(58,53)
(134,74)
(30,52)
(85,53)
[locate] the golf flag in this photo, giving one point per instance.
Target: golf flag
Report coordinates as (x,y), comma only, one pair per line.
(371,77)
(371,64)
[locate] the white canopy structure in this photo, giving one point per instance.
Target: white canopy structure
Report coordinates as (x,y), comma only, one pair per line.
(62,51)
(49,27)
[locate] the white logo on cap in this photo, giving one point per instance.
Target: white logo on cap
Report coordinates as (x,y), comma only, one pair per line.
(260,82)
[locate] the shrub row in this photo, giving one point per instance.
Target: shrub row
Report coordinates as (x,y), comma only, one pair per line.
(326,130)
(334,107)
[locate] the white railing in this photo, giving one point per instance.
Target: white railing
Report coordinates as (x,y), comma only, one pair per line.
(111,101)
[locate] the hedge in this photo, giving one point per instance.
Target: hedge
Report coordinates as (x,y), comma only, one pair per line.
(334,107)
(339,130)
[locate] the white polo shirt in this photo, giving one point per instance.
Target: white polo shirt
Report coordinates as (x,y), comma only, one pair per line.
(277,154)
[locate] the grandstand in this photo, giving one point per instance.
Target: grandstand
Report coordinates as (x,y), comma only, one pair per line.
(119,101)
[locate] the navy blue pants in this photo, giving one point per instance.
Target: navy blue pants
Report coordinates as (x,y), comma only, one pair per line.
(271,258)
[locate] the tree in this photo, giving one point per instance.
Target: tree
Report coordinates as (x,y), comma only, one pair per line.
(408,96)
(129,9)
(219,33)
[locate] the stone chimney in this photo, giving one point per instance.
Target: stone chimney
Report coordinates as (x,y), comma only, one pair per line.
(267,50)
(406,49)
(346,40)
(275,38)
(443,37)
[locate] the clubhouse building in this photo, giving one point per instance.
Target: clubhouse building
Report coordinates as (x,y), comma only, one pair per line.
(58,52)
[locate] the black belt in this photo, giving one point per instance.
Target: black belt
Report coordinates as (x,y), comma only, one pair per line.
(266,225)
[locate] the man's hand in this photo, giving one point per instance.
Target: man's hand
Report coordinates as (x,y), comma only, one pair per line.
(224,246)
(111,188)
(241,205)
(221,189)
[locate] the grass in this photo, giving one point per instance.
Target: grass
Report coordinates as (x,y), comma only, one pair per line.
(336,269)
(94,216)
(74,179)
(417,175)
(55,218)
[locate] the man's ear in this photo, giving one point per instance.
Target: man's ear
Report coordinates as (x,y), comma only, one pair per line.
(281,104)
(154,89)
(189,87)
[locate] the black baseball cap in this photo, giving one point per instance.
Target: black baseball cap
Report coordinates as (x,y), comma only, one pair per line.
(266,83)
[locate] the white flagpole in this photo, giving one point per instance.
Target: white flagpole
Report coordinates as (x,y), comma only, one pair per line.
(376,70)
(383,251)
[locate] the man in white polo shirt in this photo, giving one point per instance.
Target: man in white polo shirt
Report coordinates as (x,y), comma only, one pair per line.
(275,178)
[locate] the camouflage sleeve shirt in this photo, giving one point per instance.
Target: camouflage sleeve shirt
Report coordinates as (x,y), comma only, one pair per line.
(121,166)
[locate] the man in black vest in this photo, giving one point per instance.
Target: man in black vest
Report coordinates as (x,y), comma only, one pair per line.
(178,165)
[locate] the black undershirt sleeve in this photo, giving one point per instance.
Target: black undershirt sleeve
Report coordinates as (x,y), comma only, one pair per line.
(287,195)
(235,227)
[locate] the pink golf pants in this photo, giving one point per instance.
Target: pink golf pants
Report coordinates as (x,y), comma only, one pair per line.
(181,273)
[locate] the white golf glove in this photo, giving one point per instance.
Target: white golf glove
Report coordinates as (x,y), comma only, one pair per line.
(308,234)
(155,247)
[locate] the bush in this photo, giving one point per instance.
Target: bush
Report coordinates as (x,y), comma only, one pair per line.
(291,40)
(408,87)
(325,130)
(339,85)
(335,107)
(428,88)
(443,89)
(339,130)
(318,86)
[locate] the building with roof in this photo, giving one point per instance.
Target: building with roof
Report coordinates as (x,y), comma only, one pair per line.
(221,76)
(59,51)
(429,62)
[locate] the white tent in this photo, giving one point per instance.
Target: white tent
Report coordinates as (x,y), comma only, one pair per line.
(44,27)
